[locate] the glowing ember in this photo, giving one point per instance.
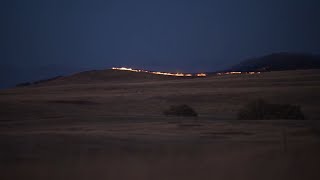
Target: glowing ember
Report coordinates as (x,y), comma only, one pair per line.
(159,73)
(233,72)
(201,75)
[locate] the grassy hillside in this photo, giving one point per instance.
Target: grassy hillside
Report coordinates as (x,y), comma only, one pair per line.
(107,76)
(118,93)
(83,127)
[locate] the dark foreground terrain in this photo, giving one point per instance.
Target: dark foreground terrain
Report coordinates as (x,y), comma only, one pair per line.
(116,130)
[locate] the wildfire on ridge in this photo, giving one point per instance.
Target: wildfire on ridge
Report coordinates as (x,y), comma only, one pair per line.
(128,69)
(160,73)
(227,73)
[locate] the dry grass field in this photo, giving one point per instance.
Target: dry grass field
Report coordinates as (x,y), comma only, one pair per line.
(110,125)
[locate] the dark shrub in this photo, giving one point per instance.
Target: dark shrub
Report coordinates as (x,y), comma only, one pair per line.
(180,110)
(260,109)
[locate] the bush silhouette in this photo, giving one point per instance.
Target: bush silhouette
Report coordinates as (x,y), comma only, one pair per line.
(260,109)
(180,110)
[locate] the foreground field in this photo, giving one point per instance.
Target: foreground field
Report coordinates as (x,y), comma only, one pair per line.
(78,128)
(155,148)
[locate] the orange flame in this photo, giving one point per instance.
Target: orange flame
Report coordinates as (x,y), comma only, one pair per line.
(201,75)
(159,73)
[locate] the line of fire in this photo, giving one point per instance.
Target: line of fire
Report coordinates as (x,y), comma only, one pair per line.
(161,73)
(181,74)
(230,73)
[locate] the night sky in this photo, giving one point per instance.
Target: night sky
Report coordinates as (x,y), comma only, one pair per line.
(43,38)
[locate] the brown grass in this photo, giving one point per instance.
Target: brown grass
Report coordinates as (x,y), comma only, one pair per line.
(260,109)
(217,97)
(113,128)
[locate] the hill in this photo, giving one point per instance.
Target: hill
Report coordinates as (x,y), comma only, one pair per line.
(100,76)
(278,62)
(121,93)
(79,128)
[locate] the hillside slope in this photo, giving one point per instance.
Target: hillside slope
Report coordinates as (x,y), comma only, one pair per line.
(214,97)
(108,75)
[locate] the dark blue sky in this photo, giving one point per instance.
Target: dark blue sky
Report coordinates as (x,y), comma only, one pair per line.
(42,38)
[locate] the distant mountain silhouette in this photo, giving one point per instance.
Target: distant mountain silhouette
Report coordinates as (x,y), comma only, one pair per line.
(278,62)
